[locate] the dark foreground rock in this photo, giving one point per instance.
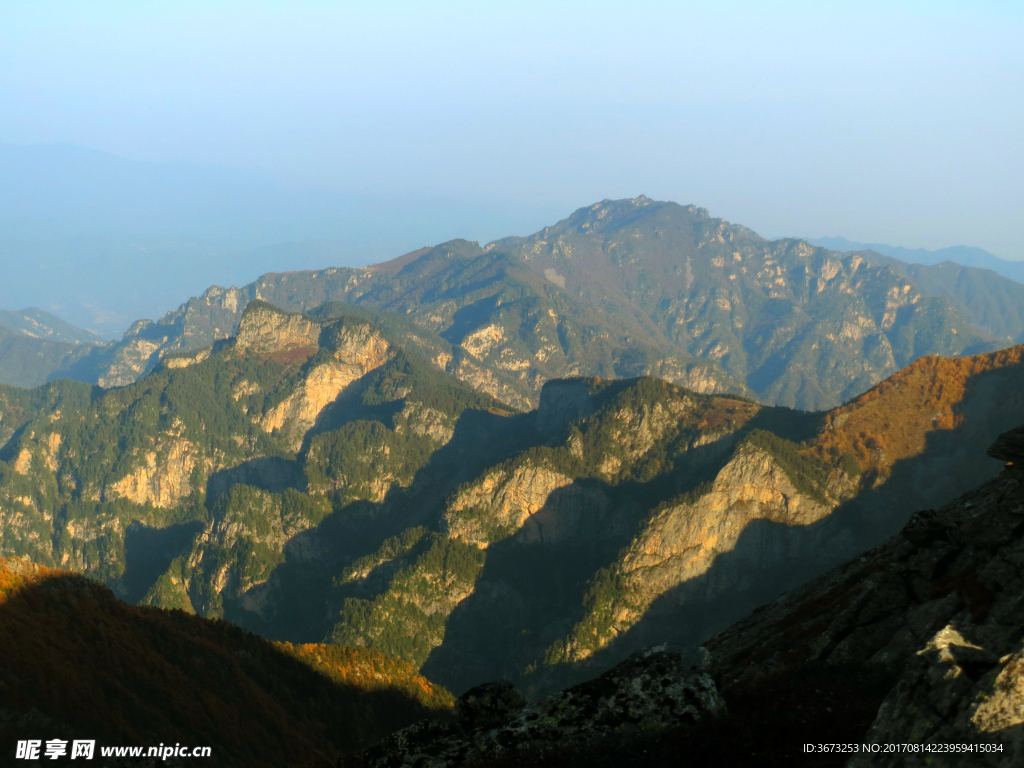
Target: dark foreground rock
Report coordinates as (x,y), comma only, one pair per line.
(650,692)
(964,689)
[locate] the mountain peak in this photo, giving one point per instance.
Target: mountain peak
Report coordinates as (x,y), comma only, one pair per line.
(265,329)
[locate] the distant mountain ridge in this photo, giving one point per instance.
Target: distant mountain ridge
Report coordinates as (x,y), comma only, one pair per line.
(988,301)
(40,324)
(624,288)
(34,343)
(964,255)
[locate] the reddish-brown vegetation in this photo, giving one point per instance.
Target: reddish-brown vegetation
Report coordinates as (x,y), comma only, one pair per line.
(892,420)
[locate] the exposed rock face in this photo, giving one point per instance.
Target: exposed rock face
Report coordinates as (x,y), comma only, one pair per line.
(355,349)
(23,464)
(321,386)
(163,479)
(132,359)
(485,380)
(185,361)
(647,693)
(480,342)
(426,422)
(681,542)
(966,686)
(881,608)
(939,608)
(499,504)
(1009,447)
(266,330)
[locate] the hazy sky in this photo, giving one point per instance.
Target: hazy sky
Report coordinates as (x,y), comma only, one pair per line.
(885,122)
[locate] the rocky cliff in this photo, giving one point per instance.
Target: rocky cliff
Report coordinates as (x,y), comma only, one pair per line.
(81,470)
(684,538)
(936,610)
(916,644)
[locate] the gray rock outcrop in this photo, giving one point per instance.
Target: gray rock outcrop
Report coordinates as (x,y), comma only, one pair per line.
(649,692)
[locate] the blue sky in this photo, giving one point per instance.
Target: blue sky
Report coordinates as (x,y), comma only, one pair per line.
(885,122)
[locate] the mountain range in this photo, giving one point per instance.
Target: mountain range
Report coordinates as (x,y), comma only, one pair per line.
(964,255)
(909,655)
(493,572)
(317,478)
(529,461)
(623,288)
(918,639)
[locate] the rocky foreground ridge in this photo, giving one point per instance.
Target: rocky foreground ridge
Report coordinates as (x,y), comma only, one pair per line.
(919,641)
(649,693)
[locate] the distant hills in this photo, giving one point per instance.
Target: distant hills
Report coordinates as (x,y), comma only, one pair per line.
(625,288)
(38,324)
(34,344)
(963,255)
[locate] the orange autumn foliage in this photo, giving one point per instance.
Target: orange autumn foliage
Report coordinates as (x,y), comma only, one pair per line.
(893,420)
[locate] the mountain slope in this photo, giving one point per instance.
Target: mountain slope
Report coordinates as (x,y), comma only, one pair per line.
(79,663)
(313,478)
(96,470)
(490,321)
(619,289)
(986,300)
(717,528)
(935,609)
(34,343)
(40,324)
(800,326)
(909,655)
